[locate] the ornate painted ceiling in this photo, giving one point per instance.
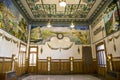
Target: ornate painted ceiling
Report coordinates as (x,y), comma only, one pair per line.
(50,10)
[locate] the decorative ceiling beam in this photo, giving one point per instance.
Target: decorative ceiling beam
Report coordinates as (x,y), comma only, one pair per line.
(59,23)
(71,9)
(43,5)
(79,4)
(21,11)
(99,10)
(50,10)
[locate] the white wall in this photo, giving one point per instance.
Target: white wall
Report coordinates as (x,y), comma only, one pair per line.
(110,40)
(101,34)
(7,48)
(57,54)
(99,22)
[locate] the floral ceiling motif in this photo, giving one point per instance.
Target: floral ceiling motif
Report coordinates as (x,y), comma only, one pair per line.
(48,8)
(79,10)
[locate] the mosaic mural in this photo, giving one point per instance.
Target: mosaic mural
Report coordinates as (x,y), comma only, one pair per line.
(79,35)
(44,9)
(12,21)
(111,19)
(118,3)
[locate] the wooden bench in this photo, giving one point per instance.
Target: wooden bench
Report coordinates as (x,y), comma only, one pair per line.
(11,75)
(112,75)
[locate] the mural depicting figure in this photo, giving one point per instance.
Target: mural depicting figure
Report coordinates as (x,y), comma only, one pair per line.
(80,36)
(111,19)
(12,21)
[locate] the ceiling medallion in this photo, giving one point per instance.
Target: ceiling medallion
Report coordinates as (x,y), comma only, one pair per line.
(60,36)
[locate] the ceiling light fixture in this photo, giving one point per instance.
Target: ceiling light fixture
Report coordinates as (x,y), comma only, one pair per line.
(62,3)
(49,25)
(72,25)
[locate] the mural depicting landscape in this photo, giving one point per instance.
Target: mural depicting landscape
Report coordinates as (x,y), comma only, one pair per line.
(118,3)
(40,35)
(11,20)
(111,19)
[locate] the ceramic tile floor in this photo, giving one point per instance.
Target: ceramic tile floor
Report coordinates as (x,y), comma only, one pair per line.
(61,77)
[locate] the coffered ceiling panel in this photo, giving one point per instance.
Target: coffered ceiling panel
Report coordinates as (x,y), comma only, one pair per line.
(45,10)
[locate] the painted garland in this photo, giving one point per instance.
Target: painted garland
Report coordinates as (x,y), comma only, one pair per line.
(60,47)
(113,38)
(8,39)
(116,37)
(52,47)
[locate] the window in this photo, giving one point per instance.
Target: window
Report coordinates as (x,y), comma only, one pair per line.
(22,55)
(33,56)
(32,59)
(101,56)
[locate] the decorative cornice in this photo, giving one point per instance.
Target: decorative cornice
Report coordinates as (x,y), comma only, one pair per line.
(24,14)
(64,20)
(99,10)
(30,20)
(59,23)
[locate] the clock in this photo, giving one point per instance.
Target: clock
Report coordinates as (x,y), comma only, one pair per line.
(60,36)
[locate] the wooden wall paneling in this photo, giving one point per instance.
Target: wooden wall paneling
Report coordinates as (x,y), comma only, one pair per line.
(16,67)
(55,67)
(26,66)
(114,73)
(1,67)
(77,67)
(32,69)
(64,67)
(6,69)
(5,64)
(60,66)
(20,70)
(94,66)
(116,64)
(19,73)
(42,67)
(1,64)
(23,70)
(102,71)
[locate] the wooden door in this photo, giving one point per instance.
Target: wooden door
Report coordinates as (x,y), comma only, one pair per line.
(87,59)
(33,59)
